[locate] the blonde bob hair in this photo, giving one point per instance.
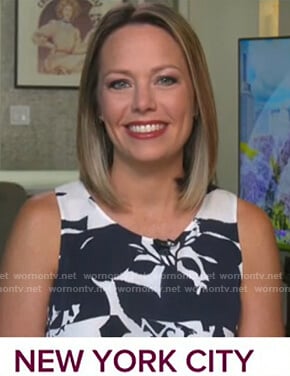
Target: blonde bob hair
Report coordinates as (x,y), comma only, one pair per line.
(94,148)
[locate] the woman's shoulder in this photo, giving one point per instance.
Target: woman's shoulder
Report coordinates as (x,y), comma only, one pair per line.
(49,205)
(253,216)
(38,212)
(219,204)
(256,232)
(248,216)
(49,24)
(53,22)
(45,203)
(216,193)
(73,188)
(35,236)
(227,206)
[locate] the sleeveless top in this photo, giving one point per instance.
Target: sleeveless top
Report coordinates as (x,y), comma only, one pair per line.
(112,282)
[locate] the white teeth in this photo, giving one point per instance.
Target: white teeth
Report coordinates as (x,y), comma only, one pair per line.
(147,128)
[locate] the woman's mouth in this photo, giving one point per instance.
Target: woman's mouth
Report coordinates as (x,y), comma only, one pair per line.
(146,128)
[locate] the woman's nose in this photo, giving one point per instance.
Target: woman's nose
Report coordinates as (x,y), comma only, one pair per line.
(144,98)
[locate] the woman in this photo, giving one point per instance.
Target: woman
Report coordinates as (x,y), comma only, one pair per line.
(148,246)
(63,41)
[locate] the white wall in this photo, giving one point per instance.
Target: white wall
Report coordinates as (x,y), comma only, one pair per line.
(219,24)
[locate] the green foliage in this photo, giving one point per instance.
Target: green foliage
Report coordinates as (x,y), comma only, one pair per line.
(279,219)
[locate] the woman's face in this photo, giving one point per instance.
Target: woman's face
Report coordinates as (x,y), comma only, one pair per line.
(145,95)
(67,13)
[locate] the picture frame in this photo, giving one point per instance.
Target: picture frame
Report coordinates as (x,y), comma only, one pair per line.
(52,39)
(264,129)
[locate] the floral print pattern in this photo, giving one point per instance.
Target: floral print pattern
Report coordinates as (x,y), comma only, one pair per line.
(129,285)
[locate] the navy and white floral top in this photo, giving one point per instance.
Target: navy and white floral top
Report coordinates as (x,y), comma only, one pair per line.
(114,282)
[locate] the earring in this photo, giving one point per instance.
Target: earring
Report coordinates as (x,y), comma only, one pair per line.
(195,117)
(100,120)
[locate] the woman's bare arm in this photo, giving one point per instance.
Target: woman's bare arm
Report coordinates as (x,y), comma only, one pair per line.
(29,264)
(261,314)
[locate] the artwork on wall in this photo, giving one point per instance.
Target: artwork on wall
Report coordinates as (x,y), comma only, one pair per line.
(264,129)
(52,38)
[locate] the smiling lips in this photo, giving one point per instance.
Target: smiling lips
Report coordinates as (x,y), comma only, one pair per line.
(146,130)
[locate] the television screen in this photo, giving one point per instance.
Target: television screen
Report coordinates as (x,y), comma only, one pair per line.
(264,129)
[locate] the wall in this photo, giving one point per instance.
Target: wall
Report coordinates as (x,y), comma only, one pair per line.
(284,17)
(219,24)
(49,142)
(42,155)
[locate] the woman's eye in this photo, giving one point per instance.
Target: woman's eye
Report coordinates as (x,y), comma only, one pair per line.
(119,84)
(166,80)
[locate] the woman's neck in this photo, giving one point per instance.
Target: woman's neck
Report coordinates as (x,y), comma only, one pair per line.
(146,186)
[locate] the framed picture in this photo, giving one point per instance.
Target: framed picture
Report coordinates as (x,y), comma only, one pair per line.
(52,39)
(264,129)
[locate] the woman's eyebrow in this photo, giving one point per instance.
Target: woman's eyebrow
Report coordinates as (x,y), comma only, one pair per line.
(128,72)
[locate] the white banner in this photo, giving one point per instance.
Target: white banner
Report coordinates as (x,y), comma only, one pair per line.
(145,356)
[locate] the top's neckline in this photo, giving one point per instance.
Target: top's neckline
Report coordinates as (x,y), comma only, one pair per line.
(110,220)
